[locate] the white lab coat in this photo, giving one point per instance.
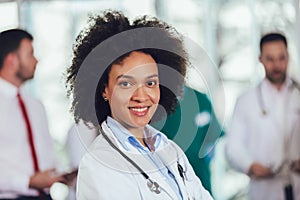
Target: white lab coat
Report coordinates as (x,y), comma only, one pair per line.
(255,137)
(79,138)
(104,174)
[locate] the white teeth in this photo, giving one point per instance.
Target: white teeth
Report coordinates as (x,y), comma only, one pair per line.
(139,109)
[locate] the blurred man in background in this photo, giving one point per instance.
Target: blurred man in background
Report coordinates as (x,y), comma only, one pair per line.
(27,160)
(263,140)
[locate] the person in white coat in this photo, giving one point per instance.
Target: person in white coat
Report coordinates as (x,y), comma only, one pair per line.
(79,138)
(264,134)
(123,75)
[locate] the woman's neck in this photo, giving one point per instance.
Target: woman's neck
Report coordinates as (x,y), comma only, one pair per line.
(138,133)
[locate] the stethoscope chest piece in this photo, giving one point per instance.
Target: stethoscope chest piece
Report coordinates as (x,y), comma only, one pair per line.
(153,186)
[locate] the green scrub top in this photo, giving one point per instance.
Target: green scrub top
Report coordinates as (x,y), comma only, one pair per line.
(195,128)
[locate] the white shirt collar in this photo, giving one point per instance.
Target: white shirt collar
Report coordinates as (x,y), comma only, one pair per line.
(7,88)
(10,90)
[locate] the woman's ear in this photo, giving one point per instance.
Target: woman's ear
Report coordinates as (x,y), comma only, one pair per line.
(105,98)
(104,94)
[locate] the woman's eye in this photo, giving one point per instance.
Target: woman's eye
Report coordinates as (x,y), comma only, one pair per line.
(151,83)
(125,84)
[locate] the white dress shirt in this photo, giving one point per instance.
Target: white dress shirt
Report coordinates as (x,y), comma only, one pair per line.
(104,174)
(265,128)
(16,165)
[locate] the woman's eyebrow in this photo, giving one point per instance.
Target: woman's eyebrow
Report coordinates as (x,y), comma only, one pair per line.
(131,77)
(124,76)
(153,76)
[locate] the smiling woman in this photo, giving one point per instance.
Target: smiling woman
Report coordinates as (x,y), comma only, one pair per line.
(123,75)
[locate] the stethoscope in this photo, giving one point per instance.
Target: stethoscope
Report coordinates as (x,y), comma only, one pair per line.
(152,185)
(260,96)
(261,101)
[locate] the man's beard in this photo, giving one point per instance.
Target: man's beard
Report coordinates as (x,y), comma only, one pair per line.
(276,79)
(21,74)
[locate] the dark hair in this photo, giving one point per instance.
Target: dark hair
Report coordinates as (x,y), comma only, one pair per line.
(272,37)
(10,41)
(108,40)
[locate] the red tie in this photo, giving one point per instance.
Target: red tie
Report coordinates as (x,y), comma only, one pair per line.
(29,133)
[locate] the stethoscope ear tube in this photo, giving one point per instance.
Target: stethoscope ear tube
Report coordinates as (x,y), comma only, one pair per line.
(261,101)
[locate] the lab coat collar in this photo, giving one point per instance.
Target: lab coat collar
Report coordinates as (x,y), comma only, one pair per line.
(266,84)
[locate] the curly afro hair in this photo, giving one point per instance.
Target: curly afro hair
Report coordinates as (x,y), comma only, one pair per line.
(108,40)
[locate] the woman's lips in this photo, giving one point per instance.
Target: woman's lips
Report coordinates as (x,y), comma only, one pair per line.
(139,111)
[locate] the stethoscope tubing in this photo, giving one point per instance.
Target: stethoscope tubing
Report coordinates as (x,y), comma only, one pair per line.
(153,186)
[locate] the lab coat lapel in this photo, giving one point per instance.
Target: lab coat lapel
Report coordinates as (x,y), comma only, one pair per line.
(180,180)
(170,156)
(165,187)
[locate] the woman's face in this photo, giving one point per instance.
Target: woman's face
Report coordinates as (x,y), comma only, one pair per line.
(133,90)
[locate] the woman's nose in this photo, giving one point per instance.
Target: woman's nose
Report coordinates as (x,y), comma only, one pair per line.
(140,94)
